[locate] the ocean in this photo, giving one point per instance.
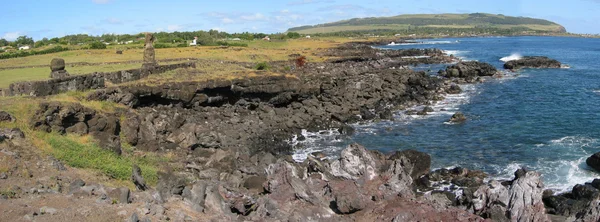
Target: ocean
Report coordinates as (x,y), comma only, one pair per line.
(547,120)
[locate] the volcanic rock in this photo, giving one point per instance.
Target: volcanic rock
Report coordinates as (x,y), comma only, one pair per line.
(532,62)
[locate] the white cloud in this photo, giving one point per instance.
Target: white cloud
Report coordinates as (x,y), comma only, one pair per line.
(227,20)
(172,28)
(11,36)
(254,17)
(101,1)
(284,11)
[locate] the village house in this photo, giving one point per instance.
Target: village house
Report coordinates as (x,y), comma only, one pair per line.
(25,47)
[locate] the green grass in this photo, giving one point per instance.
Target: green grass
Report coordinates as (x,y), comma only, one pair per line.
(33,74)
(87,155)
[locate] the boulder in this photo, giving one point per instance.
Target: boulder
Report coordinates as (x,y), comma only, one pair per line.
(594,161)
(9,134)
(6,117)
(120,195)
(421,161)
(454,89)
(138,179)
(532,62)
(458,118)
(57,64)
(470,70)
(521,201)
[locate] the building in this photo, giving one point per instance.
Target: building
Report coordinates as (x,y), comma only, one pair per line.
(25,47)
(267,38)
(308,36)
(194,42)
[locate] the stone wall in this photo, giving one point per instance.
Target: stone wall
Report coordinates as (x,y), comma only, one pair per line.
(85,82)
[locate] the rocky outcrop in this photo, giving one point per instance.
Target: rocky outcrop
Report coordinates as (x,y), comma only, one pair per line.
(10,134)
(541,62)
(594,161)
(458,117)
(470,71)
(76,119)
(57,67)
(580,204)
(520,201)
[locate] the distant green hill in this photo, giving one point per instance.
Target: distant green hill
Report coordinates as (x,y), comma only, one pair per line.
(435,21)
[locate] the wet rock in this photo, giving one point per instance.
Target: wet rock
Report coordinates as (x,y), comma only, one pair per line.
(594,161)
(386,114)
(470,70)
(585,192)
(458,118)
(138,179)
(454,89)
(6,117)
(532,62)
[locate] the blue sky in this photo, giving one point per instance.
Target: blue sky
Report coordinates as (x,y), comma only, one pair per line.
(41,18)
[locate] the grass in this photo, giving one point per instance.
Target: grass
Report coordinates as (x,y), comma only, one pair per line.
(257,51)
(81,152)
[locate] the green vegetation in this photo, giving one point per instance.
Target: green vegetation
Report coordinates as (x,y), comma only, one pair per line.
(425,22)
(23,53)
(97,45)
(88,155)
(262,66)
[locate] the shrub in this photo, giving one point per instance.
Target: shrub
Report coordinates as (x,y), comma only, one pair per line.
(262,66)
(161,46)
(233,44)
(181,45)
(32,52)
(97,45)
(1,50)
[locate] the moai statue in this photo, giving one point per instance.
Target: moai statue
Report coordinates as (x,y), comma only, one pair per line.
(149,55)
(57,67)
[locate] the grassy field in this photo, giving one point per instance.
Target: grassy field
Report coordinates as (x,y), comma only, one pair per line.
(257,51)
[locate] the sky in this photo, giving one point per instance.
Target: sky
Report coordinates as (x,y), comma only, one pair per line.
(57,18)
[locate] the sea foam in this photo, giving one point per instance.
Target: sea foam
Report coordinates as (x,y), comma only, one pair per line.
(514,56)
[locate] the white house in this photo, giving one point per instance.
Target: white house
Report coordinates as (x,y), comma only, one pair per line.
(308,36)
(236,39)
(194,42)
(25,47)
(267,38)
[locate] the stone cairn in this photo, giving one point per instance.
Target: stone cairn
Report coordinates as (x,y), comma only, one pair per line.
(149,55)
(57,67)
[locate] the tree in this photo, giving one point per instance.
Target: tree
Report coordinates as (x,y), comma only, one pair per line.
(97,45)
(24,40)
(3,42)
(293,35)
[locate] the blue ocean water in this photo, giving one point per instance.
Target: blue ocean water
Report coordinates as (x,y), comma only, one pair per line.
(546,120)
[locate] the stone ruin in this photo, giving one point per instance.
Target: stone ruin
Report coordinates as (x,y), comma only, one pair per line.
(149,55)
(57,67)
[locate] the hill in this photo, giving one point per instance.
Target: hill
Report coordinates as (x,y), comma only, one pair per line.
(435,21)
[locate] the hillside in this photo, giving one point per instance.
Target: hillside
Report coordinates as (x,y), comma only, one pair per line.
(435,21)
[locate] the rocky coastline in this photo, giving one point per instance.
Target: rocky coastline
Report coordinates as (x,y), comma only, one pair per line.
(232,140)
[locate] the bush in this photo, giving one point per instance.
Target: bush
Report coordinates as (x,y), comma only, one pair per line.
(262,66)
(161,46)
(300,61)
(182,45)
(97,45)
(32,52)
(233,44)
(1,50)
